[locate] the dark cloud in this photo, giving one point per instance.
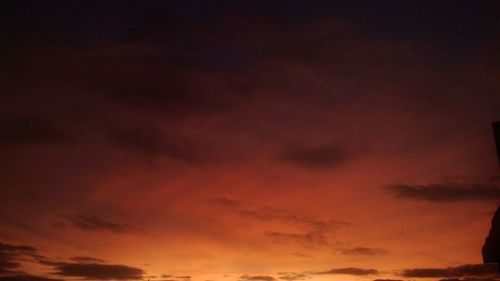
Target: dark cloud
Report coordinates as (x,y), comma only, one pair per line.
(302,255)
(317,157)
(184,277)
(95,223)
(20,225)
(350,271)
(17,249)
(7,266)
(25,277)
(291,276)
(363,251)
(257,278)
(59,225)
(225,202)
(176,94)
(387,280)
(31,129)
(97,271)
(310,238)
(85,267)
(82,259)
(447,192)
(151,142)
(470,279)
(449,272)
(11,255)
(153,76)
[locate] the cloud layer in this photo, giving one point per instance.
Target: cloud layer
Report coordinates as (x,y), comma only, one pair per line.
(350,271)
(447,192)
(474,270)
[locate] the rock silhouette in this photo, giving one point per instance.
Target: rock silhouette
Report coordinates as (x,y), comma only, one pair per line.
(496,132)
(491,247)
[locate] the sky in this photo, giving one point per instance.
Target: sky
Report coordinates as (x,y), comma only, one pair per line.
(247,140)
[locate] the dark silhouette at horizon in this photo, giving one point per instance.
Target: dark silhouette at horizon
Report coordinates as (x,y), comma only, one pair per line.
(491,247)
(496,132)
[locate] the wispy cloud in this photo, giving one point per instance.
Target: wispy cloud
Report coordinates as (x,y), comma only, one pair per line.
(32,129)
(350,271)
(151,142)
(309,238)
(447,272)
(292,276)
(319,157)
(26,277)
(471,279)
(95,223)
(363,251)
(97,271)
(257,278)
(82,259)
(11,255)
(447,192)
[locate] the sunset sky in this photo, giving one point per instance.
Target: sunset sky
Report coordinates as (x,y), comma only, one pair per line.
(247,140)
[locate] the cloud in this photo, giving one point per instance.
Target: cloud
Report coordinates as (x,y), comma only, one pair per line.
(31,129)
(458,271)
(267,214)
(311,238)
(59,225)
(387,280)
(320,157)
(350,271)
(25,277)
(312,231)
(10,256)
(14,223)
(291,276)
(95,223)
(97,271)
(85,267)
(82,259)
(470,279)
(302,255)
(363,251)
(17,249)
(172,87)
(225,202)
(270,214)
(257,278)
(151,142)
(446,192)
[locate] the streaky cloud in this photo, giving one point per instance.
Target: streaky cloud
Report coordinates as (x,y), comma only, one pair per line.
(446,192)
(466,270)
(350,271)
